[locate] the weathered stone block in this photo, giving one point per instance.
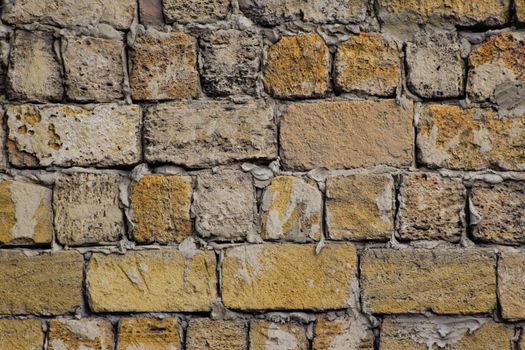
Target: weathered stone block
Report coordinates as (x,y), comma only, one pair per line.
(163,66)
(87,209)
(289,277)
(80,334)
(511,289)
(150,12)
(346,134)
(342,333)
(34,71)
(360,207)
(230,62)
(21,334)
(435,67)
(94,69)
(67,135)
(368,63)
(444,281)
(149,333)
(297,67)
(26,216)
(271,335)
(292,210)
(161,209)
(152,281)
(473,138)
(206,334)
(224,205)
(51,283)
(189,11)
(431,207)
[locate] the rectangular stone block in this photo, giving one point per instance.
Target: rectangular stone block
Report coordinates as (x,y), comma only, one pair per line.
(80,334)
(149,333)
(68,135)
(150,12)
(416,280)
(21,334)
(45,284)
(289,277)
(206,334)
(342,333)
(346,134)
(161,280)
(207,133)
(474,138)
(511,288)
(266,335)
(188,11)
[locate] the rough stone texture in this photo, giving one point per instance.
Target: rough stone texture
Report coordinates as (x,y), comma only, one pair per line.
(150,12)
(93,68)
(34,69)
(67,13)
(149,333)
(297,67)
(66,135)
(496,65)
(497,210)
(196,11)
(368,63)
(444,281)
(80,334)
(435,68)
(444,333)
(206,133)
(21,334)
(463,13)
(520,17)
(342,333)
(346,134)
(431,207)
(26,216)
(206,334)
(161,209)
(230,62)
(289,276)
(273,12)
(511,289)
(473,138)
(360,207)
(224,205)
(152,281)
(46,284)
(87,209)
(266,335)
(292,210)
(163,66)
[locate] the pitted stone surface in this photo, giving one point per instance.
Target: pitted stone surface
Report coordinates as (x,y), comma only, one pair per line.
(149,333)
(80,334)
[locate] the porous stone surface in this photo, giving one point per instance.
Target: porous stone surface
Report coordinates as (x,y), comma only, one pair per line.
(161,209)
(230,62)
(292,210)
(206,334)
(149,333)
(80,334)
(34,71)
(26,215)
(297,67)
(511,290)
(360,207)
(152,281)
(342,332)
(87,209)
(368,63)
(435,68)
(93,67)
(51,283)
(163,66)
(497,210)
(415,280)
(431,207)
(453,137)
(224,205)
(21,334)
(272,335)
(206,133)
(346,134)
(69,135)
(198,11)
(289,277)
(520,17)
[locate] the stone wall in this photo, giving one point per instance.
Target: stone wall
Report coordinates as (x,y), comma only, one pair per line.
(262,175)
